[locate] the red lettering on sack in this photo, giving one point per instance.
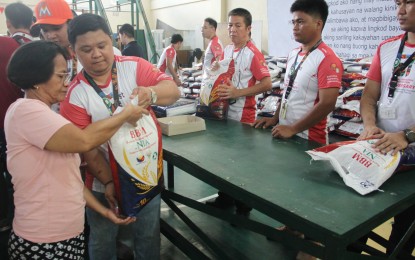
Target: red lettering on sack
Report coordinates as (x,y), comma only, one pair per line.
(132,134)
(136,133)
(362,160)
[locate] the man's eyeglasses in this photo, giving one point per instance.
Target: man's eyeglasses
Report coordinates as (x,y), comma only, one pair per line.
(65,76)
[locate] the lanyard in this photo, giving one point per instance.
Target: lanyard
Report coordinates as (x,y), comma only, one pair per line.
(239,52)
(18,36)
(233,63)
(294,71)
(111,107)
(74,63)
(398,67)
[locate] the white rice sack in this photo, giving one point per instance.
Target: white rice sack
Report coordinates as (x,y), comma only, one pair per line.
(358,164)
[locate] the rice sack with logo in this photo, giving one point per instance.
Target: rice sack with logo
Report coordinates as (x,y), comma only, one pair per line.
(360,166)
(210,104)
(137,163)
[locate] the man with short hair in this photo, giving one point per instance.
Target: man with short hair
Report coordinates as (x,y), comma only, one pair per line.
(18,22)
(131,47)
(106,81)
(214,49)
(388,109)
(167,62)
(312,81)
(250,78)
(53,17)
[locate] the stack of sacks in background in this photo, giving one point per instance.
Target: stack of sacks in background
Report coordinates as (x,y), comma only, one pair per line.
(345,119)
(268,102)
(191,81)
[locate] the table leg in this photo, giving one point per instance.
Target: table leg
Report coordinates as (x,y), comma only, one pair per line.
(170,175)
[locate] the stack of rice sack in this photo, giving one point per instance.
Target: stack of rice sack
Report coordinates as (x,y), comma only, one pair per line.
(268,102)
(354,73)
(191,82)
(345,119)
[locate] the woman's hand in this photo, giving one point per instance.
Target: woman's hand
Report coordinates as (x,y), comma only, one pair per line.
(118,220)
(134,113)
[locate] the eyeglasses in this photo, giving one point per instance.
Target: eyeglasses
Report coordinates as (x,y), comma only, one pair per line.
(66,76)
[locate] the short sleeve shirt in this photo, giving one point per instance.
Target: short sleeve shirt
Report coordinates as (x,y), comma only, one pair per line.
(48,195)
(168,52)
(403,99)
(321,69)
(250,67)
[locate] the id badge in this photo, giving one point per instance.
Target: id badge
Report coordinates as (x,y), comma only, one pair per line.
(284,107)
(387,112)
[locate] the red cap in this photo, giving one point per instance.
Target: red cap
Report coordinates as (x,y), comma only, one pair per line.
(55,12)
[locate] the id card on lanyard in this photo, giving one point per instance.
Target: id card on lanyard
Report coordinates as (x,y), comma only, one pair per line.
(387,110)
(293,75)
(109,105)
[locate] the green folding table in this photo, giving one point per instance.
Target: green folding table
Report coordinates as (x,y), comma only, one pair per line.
(277,178)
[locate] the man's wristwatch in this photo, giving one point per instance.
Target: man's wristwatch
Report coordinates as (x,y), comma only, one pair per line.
(409,135)
(153,96)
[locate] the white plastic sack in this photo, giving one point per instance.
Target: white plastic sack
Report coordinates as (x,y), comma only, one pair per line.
(136,150)
(134,161)
(358,164)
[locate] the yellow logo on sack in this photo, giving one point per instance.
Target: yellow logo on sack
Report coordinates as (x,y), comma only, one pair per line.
(148,177)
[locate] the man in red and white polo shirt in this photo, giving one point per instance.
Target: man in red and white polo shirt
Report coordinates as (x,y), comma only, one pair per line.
(312,80)
(214,49)
(388,108)
(106,82)
(167,62)
(250,77)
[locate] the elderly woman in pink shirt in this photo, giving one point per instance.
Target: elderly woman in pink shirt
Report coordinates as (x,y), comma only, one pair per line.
(42,157)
